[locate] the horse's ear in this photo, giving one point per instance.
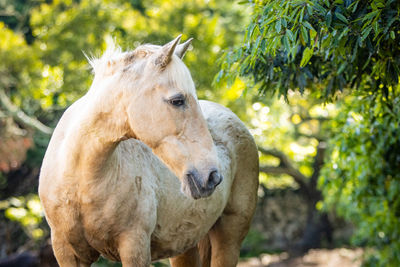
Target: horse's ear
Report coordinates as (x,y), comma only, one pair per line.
(166,52)
(181,49)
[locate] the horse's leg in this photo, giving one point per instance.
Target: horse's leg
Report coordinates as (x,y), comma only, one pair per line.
(231,228)
(226,237)
(65,255)
(204,248)
(134,249)
(189,258)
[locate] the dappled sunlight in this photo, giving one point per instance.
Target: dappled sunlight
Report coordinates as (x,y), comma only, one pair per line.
(302,150)
(28,211)
(283,182)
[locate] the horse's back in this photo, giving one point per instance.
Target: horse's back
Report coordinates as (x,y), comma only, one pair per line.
(228,129)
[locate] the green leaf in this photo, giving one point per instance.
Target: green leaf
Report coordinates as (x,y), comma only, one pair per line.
(376,28)
(319,8)
(366,32)
(308,25)
(392,35)
(342,67)
(390,23)
(278,26)
(353,6)
(304,34)
(341,17)
(284,22)
(255,32)
(286,43)
(293,51)
(307,54)
(370,15)
(249,31)
(313,34)
(344,33)
(289,34)
(301,14)
(328,18)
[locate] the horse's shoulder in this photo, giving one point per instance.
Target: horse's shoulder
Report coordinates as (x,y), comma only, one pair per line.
(66,121)
(53,165)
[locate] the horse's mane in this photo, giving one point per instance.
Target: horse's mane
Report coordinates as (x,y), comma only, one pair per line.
(114,58)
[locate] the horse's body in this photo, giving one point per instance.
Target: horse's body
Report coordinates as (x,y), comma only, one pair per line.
(111,195)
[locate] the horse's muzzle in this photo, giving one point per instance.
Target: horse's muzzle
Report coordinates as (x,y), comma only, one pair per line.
(196,187)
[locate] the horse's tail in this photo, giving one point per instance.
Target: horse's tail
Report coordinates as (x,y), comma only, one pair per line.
(204,247)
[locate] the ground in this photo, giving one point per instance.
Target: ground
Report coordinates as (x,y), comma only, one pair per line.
(341,257)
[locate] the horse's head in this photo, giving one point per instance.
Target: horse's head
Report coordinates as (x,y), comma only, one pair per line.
(163,112)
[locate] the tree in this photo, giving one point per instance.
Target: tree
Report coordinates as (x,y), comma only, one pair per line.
(335,49)
(324,46)
(361,179)
(292,141)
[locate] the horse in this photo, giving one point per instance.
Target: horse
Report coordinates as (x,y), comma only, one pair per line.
(138,169)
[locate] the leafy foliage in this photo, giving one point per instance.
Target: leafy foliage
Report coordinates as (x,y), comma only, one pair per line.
(49,72)
(362,179)
(26,210)
(84,26)
(346,48)
(325,46)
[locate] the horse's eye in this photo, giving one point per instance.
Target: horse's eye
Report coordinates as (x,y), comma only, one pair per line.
(177,102)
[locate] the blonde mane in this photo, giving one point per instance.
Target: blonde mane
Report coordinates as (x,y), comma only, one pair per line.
(114,59)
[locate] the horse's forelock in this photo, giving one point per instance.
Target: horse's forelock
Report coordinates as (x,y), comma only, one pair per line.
(179,75)
(113,57)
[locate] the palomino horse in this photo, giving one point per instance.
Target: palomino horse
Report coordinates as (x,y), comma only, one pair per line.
(105,192)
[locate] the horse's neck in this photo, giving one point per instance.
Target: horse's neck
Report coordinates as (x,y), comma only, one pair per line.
(97,125)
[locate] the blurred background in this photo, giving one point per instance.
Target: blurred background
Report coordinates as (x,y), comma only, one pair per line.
(315,81)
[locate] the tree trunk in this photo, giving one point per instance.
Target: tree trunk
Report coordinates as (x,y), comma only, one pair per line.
(318,227)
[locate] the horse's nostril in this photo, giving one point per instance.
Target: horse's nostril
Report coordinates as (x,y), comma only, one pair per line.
(214,179)
(197,187)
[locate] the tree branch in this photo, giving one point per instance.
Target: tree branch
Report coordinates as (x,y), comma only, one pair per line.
(274,169)
(276,153)
(20,116)
(285,167)
(318,163)
(309,118)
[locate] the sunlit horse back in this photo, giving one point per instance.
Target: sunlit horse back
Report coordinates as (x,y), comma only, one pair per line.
(105,192)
